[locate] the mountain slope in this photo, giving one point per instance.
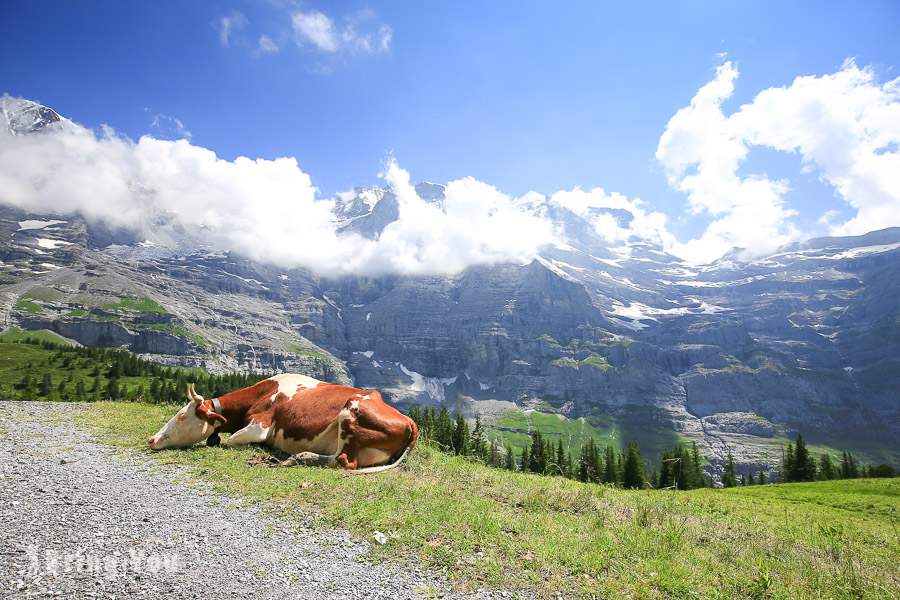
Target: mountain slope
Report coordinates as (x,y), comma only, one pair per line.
(604,329)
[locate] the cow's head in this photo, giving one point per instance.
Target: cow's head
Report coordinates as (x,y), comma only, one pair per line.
(193,423)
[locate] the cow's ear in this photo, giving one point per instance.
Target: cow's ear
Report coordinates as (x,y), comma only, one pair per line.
(207,413)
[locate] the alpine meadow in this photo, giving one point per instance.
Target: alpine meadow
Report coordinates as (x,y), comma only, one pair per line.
(626,279)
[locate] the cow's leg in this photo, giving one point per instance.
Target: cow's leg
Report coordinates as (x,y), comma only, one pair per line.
(251,434)
(311,459)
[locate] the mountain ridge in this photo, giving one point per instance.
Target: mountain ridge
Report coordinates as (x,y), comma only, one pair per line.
(604,328)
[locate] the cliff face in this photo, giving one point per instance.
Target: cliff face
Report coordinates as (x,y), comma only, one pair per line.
(630,341)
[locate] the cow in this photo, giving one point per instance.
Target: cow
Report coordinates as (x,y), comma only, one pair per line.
(316,423)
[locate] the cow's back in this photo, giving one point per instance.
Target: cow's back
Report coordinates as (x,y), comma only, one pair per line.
(310,411)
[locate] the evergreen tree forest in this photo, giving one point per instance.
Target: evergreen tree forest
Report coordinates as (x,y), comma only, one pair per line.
(86,374)
(798,465)
(680,468)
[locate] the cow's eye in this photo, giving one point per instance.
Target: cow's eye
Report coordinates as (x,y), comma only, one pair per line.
(182,417)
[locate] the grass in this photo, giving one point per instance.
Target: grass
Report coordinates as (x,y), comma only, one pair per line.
(483,527)
(298,349)
(596,361)
(42,293)
(137,304)
(18,360)
(14,334)
(198,340)
(639,424)
(29,307)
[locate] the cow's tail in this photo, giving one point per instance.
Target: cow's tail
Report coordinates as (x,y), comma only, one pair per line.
(395,460)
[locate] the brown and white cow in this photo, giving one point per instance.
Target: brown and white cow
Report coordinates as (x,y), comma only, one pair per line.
(316,423)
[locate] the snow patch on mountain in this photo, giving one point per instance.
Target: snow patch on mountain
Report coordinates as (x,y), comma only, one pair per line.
(51,244)
(36,224)
(432,386)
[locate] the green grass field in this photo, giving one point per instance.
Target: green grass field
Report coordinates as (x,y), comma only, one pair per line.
(638,425)
(19,360)
(555,537)
(14,334)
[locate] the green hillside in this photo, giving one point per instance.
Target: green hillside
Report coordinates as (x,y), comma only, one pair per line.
(42,366)
(488,527)
(484,526)
(639,425)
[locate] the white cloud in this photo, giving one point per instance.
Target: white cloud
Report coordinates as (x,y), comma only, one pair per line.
(640,224)
(318,30)
(229,24)
(476,224)
(266,45)
(267,210)
(701,152)
(845,127)
(168,128)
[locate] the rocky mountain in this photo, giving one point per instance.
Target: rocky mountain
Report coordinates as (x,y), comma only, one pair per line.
(618,340)
(25,118)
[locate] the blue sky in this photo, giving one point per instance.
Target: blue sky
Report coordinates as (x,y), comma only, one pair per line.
(518,95)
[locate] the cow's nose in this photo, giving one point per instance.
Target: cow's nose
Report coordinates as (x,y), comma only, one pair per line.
(151,441)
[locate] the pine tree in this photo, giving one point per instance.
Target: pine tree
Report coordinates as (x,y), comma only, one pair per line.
(523,464)
(785,475)
(494,452)
(560,466)
(849,469)
(664,478)
(510,464)
(583,474)
(729,478)
(443,430)
(589,465)
(750,479)
(762,477)
(678,469)
(415,414)
(428,422)
(697,478)
(46,385)
(804,468)
(610,473)
(80,392)
(537,459)
(112,389)
(634,471)
(595,463)
(115,371)
(477,443)
(460,439)
(827,471)
(854,471)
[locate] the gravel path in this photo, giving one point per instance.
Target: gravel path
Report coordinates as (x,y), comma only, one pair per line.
(77,520)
